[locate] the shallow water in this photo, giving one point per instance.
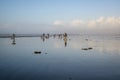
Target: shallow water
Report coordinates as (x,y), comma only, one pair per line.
(60,58)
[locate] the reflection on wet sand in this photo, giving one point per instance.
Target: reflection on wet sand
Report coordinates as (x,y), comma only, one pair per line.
(61,55)
(100,44)
(47,36)
(106,44)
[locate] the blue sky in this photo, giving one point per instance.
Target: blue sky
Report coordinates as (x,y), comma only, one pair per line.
(43,13)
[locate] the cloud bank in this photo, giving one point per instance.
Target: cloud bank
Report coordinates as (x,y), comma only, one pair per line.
(100,25)
(101,21)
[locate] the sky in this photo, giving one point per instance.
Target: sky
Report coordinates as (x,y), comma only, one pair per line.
(58,16)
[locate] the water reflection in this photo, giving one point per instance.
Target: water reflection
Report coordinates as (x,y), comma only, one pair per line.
(101,44)
(54,56)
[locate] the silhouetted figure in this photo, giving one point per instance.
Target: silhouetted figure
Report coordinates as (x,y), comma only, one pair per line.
(43,34)
(43,38)
(48,35)
(13,43)
(65,39)
(54,35)
(65,34)
(60,36)
(13,37)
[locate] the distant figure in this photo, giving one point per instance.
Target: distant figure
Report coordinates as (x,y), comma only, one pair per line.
(60,36)
(43,34)
(13,43)
(48,35)
(65,39)
(13,37)
(65,34)
(54,35)
(43,38)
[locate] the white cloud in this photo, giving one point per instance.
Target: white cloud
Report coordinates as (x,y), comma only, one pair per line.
(76,22)
(104,22)
(58,23)
(118,20)
(101,21)
(91,23)
(113,21)
(99,25)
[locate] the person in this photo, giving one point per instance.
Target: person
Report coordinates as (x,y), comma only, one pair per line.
(65,39)
(13,37)
(65,34)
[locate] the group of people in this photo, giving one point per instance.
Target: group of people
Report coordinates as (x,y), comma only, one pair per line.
(46,36)
(60,36)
